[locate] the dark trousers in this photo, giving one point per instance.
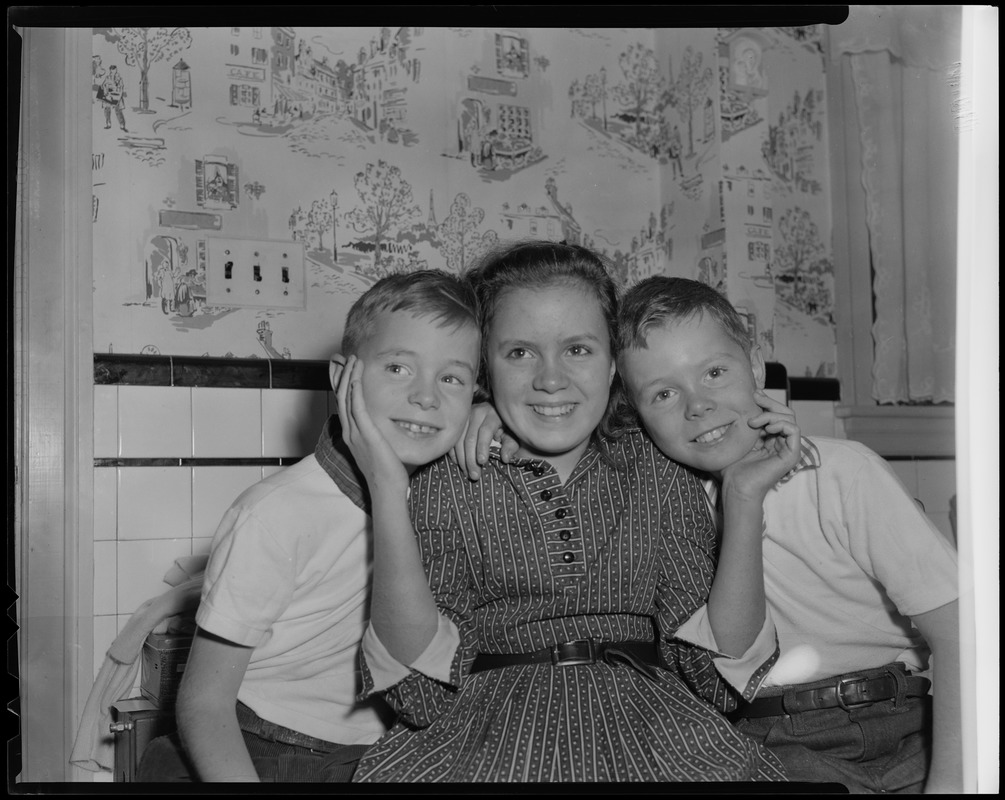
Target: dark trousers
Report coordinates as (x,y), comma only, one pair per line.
(883,747)
(280,755)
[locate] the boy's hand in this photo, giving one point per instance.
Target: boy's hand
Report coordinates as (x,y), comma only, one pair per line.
(371,451)
(774,455)
(471,452)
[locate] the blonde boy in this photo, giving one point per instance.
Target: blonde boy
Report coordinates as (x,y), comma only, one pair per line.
(270,688)
(850,561)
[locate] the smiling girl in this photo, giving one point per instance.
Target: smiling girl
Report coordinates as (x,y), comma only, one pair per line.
(524,631)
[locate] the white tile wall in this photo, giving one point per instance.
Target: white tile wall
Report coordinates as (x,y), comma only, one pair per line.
(155,421)
(155,503)
(106,492)
(105,590)
(227,423)
(292,420)
(106,421)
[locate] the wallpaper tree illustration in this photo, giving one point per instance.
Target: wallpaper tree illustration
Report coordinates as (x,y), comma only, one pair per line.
(334,206)
(592,92)
(801,247)
(643,85)
(687,93)
(386,204)
(462,244)
(144,47)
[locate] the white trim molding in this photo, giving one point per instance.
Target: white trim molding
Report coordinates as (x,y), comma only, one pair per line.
(53,343)
(917,431)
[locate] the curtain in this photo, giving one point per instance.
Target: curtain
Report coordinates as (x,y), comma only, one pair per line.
(904,62)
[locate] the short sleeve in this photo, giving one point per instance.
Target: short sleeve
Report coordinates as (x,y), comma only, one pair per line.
(249,580)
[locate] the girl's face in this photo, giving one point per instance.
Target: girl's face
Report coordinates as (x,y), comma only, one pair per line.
(550,367)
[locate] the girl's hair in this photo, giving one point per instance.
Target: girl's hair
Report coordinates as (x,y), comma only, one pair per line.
(538,265)
(428,292)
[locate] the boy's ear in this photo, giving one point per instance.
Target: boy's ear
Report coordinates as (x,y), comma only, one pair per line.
(480,395)
(757,365)
(335,366)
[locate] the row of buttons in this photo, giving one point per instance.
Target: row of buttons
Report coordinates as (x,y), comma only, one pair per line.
(561,513)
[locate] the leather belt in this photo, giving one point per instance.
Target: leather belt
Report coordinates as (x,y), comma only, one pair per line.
(568,654)
(847,692)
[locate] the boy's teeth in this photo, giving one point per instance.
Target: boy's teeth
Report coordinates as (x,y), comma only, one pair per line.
(712,435)
(414,428)
(553,411)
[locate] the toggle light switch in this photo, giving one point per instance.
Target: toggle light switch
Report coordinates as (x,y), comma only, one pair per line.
(255,273)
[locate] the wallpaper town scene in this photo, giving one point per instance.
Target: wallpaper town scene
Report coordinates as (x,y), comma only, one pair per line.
(251,182)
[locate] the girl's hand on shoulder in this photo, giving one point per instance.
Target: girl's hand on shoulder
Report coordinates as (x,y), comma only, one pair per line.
(371,451)
(772,457)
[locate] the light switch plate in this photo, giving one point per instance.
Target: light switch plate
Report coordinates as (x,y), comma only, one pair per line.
(255,273)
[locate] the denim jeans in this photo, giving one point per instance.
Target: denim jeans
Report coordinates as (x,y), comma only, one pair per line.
(280,755)
(883,747)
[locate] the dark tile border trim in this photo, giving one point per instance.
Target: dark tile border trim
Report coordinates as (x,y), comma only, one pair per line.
(113,369)
(283,461)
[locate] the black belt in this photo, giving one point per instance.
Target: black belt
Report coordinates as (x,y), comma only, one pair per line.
(567,654)
(847,692)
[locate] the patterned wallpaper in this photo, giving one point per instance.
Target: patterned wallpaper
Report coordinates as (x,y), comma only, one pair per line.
(251,182)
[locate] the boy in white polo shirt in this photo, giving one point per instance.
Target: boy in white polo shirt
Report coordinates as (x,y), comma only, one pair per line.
(861,586)
(269,690)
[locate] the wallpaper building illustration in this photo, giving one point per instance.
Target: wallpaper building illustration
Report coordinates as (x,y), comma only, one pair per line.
(693,152)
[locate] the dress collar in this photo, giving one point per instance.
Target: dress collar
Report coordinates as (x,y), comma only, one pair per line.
(590,457)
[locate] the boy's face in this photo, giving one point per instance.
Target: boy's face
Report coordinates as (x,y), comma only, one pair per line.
(418,381)
(694,389)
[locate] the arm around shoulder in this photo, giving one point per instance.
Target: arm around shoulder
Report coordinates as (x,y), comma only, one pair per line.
(206,709)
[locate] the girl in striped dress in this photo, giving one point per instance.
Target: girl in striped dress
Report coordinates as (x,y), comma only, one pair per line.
(552,621)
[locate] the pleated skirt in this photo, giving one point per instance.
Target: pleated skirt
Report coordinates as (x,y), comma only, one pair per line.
(590,723)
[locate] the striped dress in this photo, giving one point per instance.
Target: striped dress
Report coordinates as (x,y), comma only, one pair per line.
(519,561)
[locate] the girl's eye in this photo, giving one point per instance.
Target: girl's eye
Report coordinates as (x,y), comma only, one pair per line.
(579,350)
(395,369)
(716,372)
(663,395)
(454,379)
(517,352)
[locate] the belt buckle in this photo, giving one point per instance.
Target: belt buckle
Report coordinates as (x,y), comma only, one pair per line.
(839,693)
(572,661)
